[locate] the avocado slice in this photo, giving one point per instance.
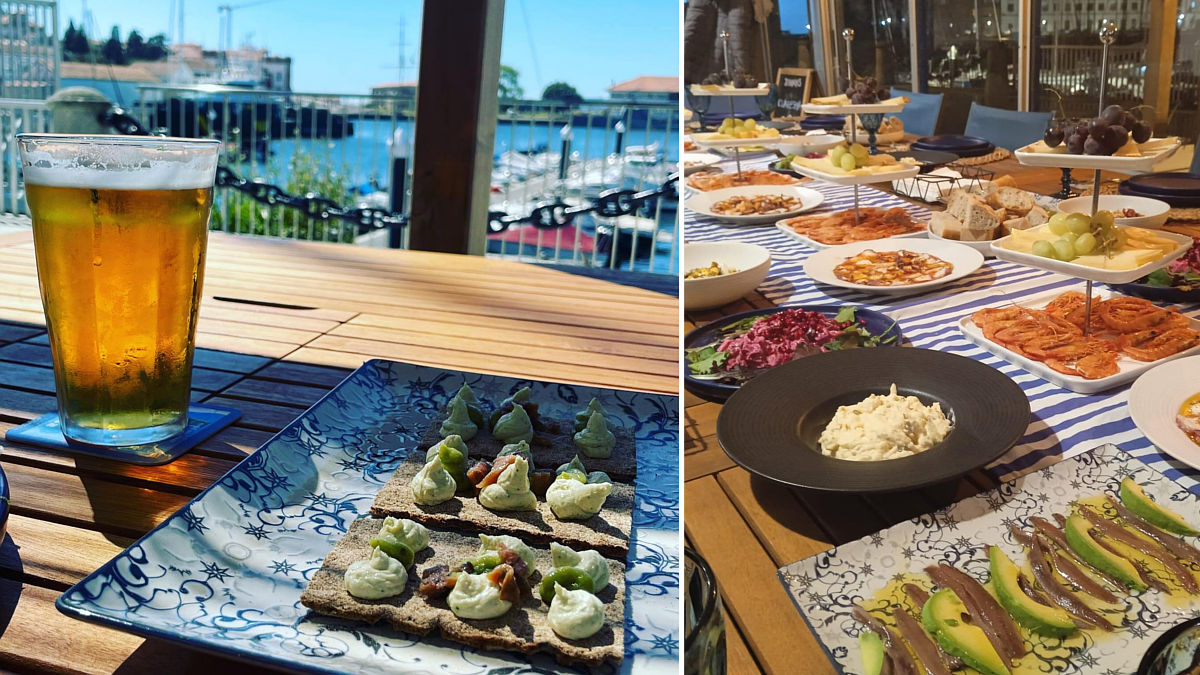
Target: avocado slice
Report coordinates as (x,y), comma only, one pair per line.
(1039,618)
(1079,538)
(870,647)
(942,616)
(1135,499)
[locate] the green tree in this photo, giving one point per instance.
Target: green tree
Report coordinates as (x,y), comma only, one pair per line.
(135,46)
(510,86)
(68,38)
(156,48)
(75,43)
(561,91)
(112,51)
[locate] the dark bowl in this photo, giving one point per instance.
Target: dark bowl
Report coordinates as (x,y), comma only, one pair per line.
(1159,293)
(770,426)
(1183,639)
(928,159)
(718,391)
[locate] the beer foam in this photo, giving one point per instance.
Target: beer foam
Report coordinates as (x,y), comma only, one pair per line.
(132,163)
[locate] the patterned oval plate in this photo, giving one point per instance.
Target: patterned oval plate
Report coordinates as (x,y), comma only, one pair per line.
(225,573)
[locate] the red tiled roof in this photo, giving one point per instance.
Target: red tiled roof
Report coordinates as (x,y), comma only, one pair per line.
(649,83)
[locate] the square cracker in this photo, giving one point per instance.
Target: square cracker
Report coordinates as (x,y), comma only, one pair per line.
(524,628)
(607,531)
(550,449)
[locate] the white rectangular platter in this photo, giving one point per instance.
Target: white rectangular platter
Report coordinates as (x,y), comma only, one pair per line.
(853,108)
(708,141)
(868,179)
(762,89)
(1129,369)
(1162,149)
(812,243)
(1183,243)
(826,586)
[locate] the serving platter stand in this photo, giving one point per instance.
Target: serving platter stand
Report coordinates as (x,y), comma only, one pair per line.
(1098,163)
(855,111)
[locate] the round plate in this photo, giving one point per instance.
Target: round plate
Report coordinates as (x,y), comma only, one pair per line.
(719,390)
(699,161)
(1167,183)
(965,260)
(1154,400)
(951,142)
(1176,201)
(701,202)
(833,122)
(1159,293)
(928,159)
(770,426)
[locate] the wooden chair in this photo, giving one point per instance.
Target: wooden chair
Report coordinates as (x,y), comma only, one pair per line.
(1009,129)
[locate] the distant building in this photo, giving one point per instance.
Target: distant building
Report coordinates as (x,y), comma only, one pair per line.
(404,97)
(28,50)
(647,89)
(118,83)
(244,66)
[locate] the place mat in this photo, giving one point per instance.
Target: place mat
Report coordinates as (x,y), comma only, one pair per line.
(1063,423)
(993,156)
(203,422)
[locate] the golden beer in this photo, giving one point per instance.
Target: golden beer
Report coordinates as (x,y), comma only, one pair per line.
(121,269)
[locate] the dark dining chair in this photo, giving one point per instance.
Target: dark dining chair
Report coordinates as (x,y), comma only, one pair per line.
(920,115)
(1009,129)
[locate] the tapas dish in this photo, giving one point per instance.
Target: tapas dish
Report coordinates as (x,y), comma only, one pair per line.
(754,203)
(1085,562)
(1179,281)
(839,227)
(720,181)
(1165,405)
(900,267)
(1045,337)
(850,164)
(1095,249)
(743,266)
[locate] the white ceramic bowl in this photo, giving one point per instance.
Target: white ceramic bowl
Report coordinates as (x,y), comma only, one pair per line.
(1154,212)
(810,143)
(702,202)
(752,263)
(984,247)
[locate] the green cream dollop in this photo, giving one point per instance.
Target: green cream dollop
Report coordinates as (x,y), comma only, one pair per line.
(596,440)
(522,395)
(466,394)
(432,484)
(591,562)
(489,542)
(404,531)
(594,406)
(520,449)
(459,422)
(514,426)
(511,490)
(575,615)
(377,577)
(451,441)
(474,596)
(570,498)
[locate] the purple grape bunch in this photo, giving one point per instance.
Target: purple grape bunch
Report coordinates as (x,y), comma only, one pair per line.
(866,90)
(1101,135)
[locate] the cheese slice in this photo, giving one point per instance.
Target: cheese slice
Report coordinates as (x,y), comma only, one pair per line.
(1130,149)
(1125,260)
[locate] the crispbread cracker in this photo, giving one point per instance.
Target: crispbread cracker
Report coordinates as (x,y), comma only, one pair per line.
(523,628)
(607,531)
(550,450)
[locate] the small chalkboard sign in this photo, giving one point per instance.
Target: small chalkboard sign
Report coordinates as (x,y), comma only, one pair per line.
(792,86)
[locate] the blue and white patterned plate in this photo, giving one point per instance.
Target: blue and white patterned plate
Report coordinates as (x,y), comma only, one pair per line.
(825,587)
(225,573)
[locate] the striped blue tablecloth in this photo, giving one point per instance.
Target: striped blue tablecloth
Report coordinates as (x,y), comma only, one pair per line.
(1063,424)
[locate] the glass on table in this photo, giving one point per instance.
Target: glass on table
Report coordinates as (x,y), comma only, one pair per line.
(703,618)
(120,229)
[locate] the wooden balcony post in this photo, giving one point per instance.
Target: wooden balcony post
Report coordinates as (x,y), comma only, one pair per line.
(456,125)
(1160,59)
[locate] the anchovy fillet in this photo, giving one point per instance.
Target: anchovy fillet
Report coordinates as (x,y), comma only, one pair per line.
(1153,549)
(928,653)
(1055,534)
(1058,593)
(1169,541)
(920,596)
(987,613)
(897,653)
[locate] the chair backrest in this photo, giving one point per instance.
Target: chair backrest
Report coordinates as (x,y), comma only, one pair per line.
(921,114)
(1009,129)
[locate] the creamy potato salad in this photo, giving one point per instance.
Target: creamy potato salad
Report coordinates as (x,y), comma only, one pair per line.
(884,426)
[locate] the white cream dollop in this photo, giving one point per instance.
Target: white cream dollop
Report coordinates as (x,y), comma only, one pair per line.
(377,577)
(884,426)
(408,532)
(570,499)
(433,484)
(474,596)
(575,615)
(511,491)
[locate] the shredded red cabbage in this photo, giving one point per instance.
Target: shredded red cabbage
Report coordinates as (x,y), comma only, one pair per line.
(1190,262)
(773,340)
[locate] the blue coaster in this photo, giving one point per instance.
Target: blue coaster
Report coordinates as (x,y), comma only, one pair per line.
(203,422)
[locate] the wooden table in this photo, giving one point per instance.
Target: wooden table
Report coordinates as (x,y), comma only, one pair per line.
(748,527)
(281,323)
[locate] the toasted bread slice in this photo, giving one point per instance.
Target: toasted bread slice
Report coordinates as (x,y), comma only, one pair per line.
(524,628)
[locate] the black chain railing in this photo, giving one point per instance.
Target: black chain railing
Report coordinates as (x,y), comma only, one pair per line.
(311,205)
(549,215)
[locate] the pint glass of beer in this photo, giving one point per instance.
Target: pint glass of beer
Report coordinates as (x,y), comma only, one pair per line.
(120,227)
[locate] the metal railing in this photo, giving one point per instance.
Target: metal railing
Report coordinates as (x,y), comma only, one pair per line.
(17,116)
(29,55)
(1075,69)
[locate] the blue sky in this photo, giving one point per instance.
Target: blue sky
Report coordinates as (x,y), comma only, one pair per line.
(590,44)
